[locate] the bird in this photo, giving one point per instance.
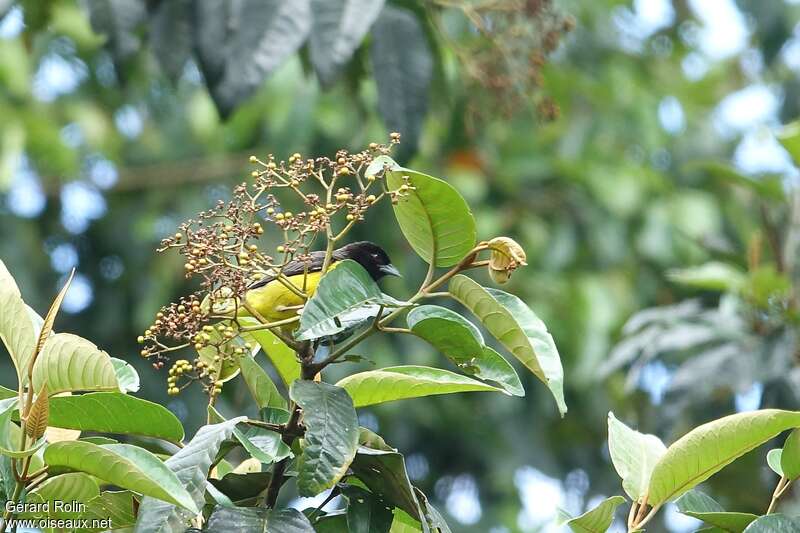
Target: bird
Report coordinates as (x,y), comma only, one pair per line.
(274,301)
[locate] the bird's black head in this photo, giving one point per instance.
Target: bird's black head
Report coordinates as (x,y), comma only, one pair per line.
(369,255)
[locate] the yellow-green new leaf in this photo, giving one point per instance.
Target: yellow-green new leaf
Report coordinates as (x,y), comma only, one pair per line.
(404,382)
(17,329)
(282,357)
(123,465)
(69,363)
(634,455)
(433,216)
(517,328)
(50,318)
(261,387)
(707,449)
(597,520)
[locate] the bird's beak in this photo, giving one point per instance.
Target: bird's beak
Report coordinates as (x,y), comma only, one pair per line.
(390,270)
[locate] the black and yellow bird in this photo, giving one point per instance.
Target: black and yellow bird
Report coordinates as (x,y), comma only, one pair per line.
(274,300)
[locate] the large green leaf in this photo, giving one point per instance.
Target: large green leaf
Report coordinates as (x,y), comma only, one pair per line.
(433,217)
(342,290)
(337,29)
(366,512)
(17,329)
(596,520)
(634,455)
(517,328)
(260,385)
(239,44)
(774,523)
(458,339)
(384,473)
(283,358)
(7,393)
(114,412)
(225,519)
(331,437)
(70,363)
(73,486)
(790,457)
(402,65)
(701,506)
(118,506)
(707,449)
(191,466)
(123,465)
(404,382)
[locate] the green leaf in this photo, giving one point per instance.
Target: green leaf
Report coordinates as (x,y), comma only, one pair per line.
(266,446)
(774,460)
(239,487)
(384,473)
(634,455)
(517,328)
(117,506)
(402,64)
(225,519)
(701,506)
(789,137)
(599,519)
(434,218)
(69,363)
(337,29)
(260,385)
(790,458)
(127,377)
(768,187)
(331,436)
(123,465)
(114,412)
(240,44)
(342,290)
(282,357)
(405,523)
(17,329)
(74,486)
(366,512)
(462,343)
(404,382)
(707,449)
(774,523)
(713,276)
(191,465)
(7,393)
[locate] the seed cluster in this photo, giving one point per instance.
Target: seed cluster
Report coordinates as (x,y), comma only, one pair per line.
(506,54)
(301,203)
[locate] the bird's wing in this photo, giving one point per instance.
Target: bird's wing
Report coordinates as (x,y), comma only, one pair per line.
(294,268)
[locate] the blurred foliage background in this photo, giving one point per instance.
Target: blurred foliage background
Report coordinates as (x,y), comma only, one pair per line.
(635,157)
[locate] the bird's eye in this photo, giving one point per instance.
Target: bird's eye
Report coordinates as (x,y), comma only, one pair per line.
(374,256)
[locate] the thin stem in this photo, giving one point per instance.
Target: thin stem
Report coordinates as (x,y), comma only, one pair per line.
(270,325)
(278,428)
(776,494)
(650,515)
(632,514)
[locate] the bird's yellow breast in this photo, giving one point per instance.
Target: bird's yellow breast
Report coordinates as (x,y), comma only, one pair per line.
(272,300)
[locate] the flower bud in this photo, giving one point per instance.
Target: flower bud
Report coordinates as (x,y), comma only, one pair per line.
(507,256)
